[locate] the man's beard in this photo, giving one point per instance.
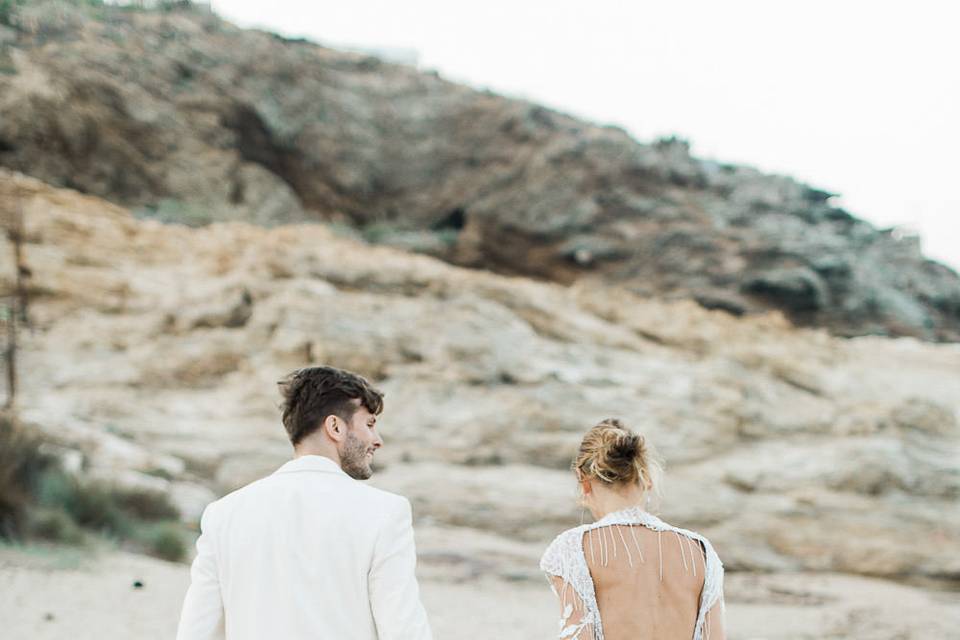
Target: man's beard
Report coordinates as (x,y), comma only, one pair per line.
(353,458)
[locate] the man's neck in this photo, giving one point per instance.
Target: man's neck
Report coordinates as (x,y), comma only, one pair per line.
(310,448)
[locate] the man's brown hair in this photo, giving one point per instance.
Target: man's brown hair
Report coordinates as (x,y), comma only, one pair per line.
(313,393)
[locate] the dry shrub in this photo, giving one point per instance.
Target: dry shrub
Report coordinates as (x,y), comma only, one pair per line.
(39,500)
(22,464)
(164,541)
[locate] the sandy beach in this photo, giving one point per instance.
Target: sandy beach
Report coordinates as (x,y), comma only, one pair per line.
(56,594)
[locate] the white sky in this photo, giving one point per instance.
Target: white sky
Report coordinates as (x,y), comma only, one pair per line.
(858,97)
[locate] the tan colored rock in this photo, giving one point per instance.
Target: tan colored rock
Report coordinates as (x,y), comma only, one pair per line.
(159,347)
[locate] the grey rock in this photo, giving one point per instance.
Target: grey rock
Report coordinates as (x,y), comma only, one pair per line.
(187,118)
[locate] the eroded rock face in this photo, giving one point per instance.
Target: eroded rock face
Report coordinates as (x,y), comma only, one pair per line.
(183,116)
(159,346)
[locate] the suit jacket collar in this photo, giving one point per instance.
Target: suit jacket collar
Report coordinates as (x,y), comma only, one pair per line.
(311,462)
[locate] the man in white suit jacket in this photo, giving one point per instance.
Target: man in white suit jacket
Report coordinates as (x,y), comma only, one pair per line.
(310,552)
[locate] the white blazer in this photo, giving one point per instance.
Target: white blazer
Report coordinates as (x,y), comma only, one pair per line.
(305,553)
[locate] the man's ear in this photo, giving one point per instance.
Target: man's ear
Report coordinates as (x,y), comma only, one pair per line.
(334,428)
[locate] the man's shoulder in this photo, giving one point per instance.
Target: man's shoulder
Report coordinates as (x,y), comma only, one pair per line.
(379,504)
(381,508)
(386,499)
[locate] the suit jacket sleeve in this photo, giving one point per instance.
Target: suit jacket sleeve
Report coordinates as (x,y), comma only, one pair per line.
(394,593)
(202,617)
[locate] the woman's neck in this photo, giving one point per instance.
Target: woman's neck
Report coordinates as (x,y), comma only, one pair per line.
(609,501)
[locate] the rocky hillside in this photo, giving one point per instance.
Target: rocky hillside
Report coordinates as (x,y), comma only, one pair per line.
(155,351)
(183,116)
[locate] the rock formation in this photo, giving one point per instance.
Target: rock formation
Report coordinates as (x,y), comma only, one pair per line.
(155,351)
(183,116)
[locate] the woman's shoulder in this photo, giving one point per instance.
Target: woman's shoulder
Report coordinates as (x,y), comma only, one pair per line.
(679,529)
(690,533)
(710,557)
(637,516)
(649,520)
(559,552)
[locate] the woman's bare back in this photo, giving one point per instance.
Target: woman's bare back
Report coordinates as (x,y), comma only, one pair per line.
(646,595)
(636,578)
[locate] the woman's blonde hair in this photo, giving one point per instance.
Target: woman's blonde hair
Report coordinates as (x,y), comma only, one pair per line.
(614,454)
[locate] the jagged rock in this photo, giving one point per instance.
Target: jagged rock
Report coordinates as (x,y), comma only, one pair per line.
(187,118)
(230,309)
(793,450)
(930,434)
(796,290)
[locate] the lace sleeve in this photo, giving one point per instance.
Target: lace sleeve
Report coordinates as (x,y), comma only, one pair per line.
(713,626)
(710,621)
(559,563)
(575,621)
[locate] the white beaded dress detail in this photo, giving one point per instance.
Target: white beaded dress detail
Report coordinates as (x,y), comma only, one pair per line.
(613,539)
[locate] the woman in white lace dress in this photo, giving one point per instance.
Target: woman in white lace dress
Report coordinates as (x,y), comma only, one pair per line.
(629,575)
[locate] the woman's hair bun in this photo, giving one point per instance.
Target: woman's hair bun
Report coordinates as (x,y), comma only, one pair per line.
(613,453)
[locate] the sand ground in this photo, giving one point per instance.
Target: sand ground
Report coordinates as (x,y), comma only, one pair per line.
(48,594)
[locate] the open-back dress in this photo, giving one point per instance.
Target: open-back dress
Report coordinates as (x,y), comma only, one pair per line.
(632,576)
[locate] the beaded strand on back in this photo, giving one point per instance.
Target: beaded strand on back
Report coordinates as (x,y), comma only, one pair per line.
(566,559)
